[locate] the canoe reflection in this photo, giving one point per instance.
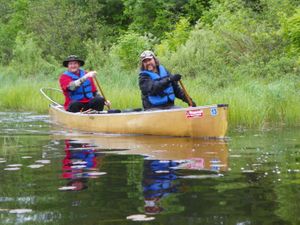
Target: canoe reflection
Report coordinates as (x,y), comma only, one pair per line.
(196,153)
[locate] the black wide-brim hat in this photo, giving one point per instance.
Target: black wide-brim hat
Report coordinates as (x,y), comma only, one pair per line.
(72,58)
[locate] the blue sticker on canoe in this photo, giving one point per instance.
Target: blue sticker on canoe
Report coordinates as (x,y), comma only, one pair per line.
(213,111)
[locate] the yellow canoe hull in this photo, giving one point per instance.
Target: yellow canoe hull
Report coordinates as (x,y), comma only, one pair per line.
(204,121)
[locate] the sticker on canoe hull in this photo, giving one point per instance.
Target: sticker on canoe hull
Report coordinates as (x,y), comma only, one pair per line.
(196,113)
(213,111)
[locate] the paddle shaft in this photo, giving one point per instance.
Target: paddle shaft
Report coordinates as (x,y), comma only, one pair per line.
(100,90)
(186,94)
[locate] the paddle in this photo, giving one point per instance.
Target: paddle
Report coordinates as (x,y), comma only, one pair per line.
(186,94)
(100,90)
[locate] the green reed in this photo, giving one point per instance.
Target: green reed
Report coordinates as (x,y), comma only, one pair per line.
(251,103)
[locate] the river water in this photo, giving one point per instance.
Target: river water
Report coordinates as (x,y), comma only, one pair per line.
(50,175)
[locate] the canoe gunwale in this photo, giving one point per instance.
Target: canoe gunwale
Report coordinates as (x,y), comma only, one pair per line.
(61,109)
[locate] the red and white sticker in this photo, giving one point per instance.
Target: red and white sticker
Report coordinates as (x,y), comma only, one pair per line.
(196,113)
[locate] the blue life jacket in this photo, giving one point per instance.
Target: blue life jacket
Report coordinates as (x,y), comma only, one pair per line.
(167,95)
(83,91)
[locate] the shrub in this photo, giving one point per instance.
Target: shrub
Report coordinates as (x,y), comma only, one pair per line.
(96,55)
(291,31)
(27,58)
(129,48)
(174,38)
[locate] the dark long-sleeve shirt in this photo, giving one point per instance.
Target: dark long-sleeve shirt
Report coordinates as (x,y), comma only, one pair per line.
(155,87)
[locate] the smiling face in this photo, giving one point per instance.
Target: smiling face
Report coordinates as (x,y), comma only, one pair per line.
(73,66)
(150,64)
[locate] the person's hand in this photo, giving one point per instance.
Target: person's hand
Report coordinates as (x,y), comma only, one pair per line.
(90,74)
(193,104)
(107,103)
(175,77)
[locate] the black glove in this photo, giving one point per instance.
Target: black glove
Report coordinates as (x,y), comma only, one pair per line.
(175,77)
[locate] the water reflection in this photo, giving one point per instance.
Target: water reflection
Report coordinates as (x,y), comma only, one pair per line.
(159,180)
(176,180)
(80,159)
(167,162)
(202,154)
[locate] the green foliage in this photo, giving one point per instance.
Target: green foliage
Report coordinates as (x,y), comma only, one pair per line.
(148,16)
(11,22)
(96,55)
(291,31)
(175,38)
(27,58)
(196,8)
(159,17)
(128,49)
(60,27)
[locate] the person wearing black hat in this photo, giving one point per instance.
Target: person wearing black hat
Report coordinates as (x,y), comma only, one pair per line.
(79,88)
(159,88)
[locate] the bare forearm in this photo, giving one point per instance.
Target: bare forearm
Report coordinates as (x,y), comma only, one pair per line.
(75,84)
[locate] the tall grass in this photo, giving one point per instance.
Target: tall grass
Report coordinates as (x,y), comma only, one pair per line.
(251,103)
(254,104)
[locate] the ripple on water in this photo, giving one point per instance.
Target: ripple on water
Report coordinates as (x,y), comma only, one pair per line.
(67,188)
(43,161)
(140,217)
(14,165)
(17,211)
(35,166)
(12,168)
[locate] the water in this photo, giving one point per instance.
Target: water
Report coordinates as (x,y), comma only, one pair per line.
(52,176)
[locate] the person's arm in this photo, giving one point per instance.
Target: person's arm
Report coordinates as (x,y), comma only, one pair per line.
(152,87)
(77,83)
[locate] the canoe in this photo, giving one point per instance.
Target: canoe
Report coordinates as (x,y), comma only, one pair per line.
(203,121)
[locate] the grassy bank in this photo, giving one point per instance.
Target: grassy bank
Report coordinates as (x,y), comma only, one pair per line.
(252,103)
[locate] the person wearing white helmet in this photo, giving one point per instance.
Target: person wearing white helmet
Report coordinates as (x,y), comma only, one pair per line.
(158,87)
(79,88)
